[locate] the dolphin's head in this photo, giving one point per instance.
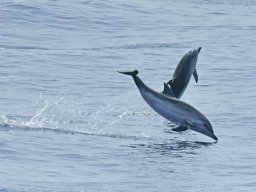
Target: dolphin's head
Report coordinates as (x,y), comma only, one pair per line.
(193,54)
(187,64)
(207,129)
(201,125)
(190,58)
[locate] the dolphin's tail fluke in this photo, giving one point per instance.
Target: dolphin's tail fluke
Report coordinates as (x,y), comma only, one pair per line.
(132,73)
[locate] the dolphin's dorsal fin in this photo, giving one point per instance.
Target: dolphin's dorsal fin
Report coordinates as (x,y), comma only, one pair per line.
(195,76)
(170,82)
(168,91)
(189,122)
(180,129)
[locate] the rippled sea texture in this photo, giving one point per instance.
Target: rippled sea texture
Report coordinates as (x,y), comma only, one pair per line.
(70,122)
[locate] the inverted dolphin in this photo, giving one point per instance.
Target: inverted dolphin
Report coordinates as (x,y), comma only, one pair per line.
(182,74)
(173,109)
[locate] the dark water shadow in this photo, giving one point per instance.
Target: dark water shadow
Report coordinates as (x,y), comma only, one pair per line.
(173,148)
(165,159)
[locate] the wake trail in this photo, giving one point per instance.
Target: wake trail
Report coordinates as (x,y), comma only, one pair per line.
(6,123)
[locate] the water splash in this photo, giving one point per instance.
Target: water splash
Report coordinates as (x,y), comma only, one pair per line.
(45,117)
(127,114)
(59,115)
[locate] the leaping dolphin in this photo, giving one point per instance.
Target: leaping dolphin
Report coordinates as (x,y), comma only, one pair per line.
(182,74)
(173,109)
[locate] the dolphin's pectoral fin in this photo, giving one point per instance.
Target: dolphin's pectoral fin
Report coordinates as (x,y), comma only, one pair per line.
(168,91)
(195,76)
(180,129)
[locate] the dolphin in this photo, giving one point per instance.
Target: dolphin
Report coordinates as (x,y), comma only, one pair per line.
(175,110)
(182,74)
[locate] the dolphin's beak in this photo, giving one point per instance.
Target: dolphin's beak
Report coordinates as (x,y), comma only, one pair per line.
(199,49)
(214,137)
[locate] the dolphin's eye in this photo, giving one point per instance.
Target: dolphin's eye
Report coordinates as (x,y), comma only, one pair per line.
(208,126)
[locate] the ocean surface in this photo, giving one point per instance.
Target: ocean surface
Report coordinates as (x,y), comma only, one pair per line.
(70,123)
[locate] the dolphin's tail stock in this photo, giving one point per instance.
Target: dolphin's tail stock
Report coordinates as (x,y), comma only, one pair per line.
(132,73)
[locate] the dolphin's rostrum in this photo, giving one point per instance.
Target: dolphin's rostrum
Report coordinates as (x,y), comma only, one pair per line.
(173,109)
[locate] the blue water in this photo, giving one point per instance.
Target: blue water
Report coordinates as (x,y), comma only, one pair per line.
(70,122)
